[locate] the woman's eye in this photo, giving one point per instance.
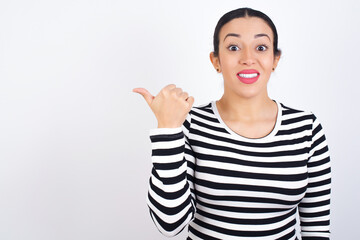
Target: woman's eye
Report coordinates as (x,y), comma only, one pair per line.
(261,48)
(233,48)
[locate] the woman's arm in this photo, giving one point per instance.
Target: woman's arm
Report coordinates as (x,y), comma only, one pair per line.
(171,197)
(314,209)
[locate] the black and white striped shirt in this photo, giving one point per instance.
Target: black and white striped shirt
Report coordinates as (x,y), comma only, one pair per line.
(226,186)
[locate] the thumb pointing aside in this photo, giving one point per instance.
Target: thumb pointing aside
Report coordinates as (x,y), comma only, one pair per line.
(145,93)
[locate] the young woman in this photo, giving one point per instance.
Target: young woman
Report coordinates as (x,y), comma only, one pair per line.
(240,167)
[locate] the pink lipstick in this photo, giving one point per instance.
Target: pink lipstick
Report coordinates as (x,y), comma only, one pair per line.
(248,76)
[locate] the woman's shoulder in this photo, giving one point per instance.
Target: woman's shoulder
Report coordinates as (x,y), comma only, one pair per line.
(207,105)
(205,108)
(202,112)
(289,111)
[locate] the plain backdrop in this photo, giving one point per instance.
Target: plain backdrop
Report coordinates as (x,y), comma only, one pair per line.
(74,139)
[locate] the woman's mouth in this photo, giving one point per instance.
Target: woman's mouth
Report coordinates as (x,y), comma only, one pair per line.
(248,76)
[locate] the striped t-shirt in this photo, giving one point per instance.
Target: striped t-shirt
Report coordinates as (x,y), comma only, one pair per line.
(226,186)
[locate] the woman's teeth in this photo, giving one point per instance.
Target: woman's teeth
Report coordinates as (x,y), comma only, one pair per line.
(252,75)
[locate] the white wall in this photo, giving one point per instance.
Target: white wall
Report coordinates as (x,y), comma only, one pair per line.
(74,146)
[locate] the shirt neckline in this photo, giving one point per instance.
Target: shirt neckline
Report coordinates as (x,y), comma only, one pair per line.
(236,135)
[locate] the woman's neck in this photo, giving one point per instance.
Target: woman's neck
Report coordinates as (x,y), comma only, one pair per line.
(254,109)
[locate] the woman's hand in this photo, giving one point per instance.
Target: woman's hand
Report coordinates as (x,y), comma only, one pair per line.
(170,106)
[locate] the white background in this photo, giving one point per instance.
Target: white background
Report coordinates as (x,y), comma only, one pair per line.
(74,145)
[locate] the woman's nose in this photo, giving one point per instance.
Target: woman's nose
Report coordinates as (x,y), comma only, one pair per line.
(246,57)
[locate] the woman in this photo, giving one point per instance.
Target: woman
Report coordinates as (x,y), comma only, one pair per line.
(239,167)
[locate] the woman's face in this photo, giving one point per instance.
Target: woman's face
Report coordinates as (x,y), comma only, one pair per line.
(245,44)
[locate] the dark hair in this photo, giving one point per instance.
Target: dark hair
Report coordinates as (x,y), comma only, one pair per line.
(240,13)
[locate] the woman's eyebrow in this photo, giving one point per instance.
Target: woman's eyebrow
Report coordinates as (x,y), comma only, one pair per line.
(262,35)
(232,34)
(255,36)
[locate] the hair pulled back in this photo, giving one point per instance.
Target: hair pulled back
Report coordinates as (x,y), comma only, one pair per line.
(240,13)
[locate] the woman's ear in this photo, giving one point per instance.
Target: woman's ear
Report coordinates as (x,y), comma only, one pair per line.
(276,60)
(215,62)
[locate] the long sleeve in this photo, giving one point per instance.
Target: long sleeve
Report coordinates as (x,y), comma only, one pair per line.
(314,209)
(171,198)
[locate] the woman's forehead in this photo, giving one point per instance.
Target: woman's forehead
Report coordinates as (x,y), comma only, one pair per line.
(246,26)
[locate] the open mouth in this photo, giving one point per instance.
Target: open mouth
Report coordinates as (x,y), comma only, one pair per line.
(251,75)
(248,76)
